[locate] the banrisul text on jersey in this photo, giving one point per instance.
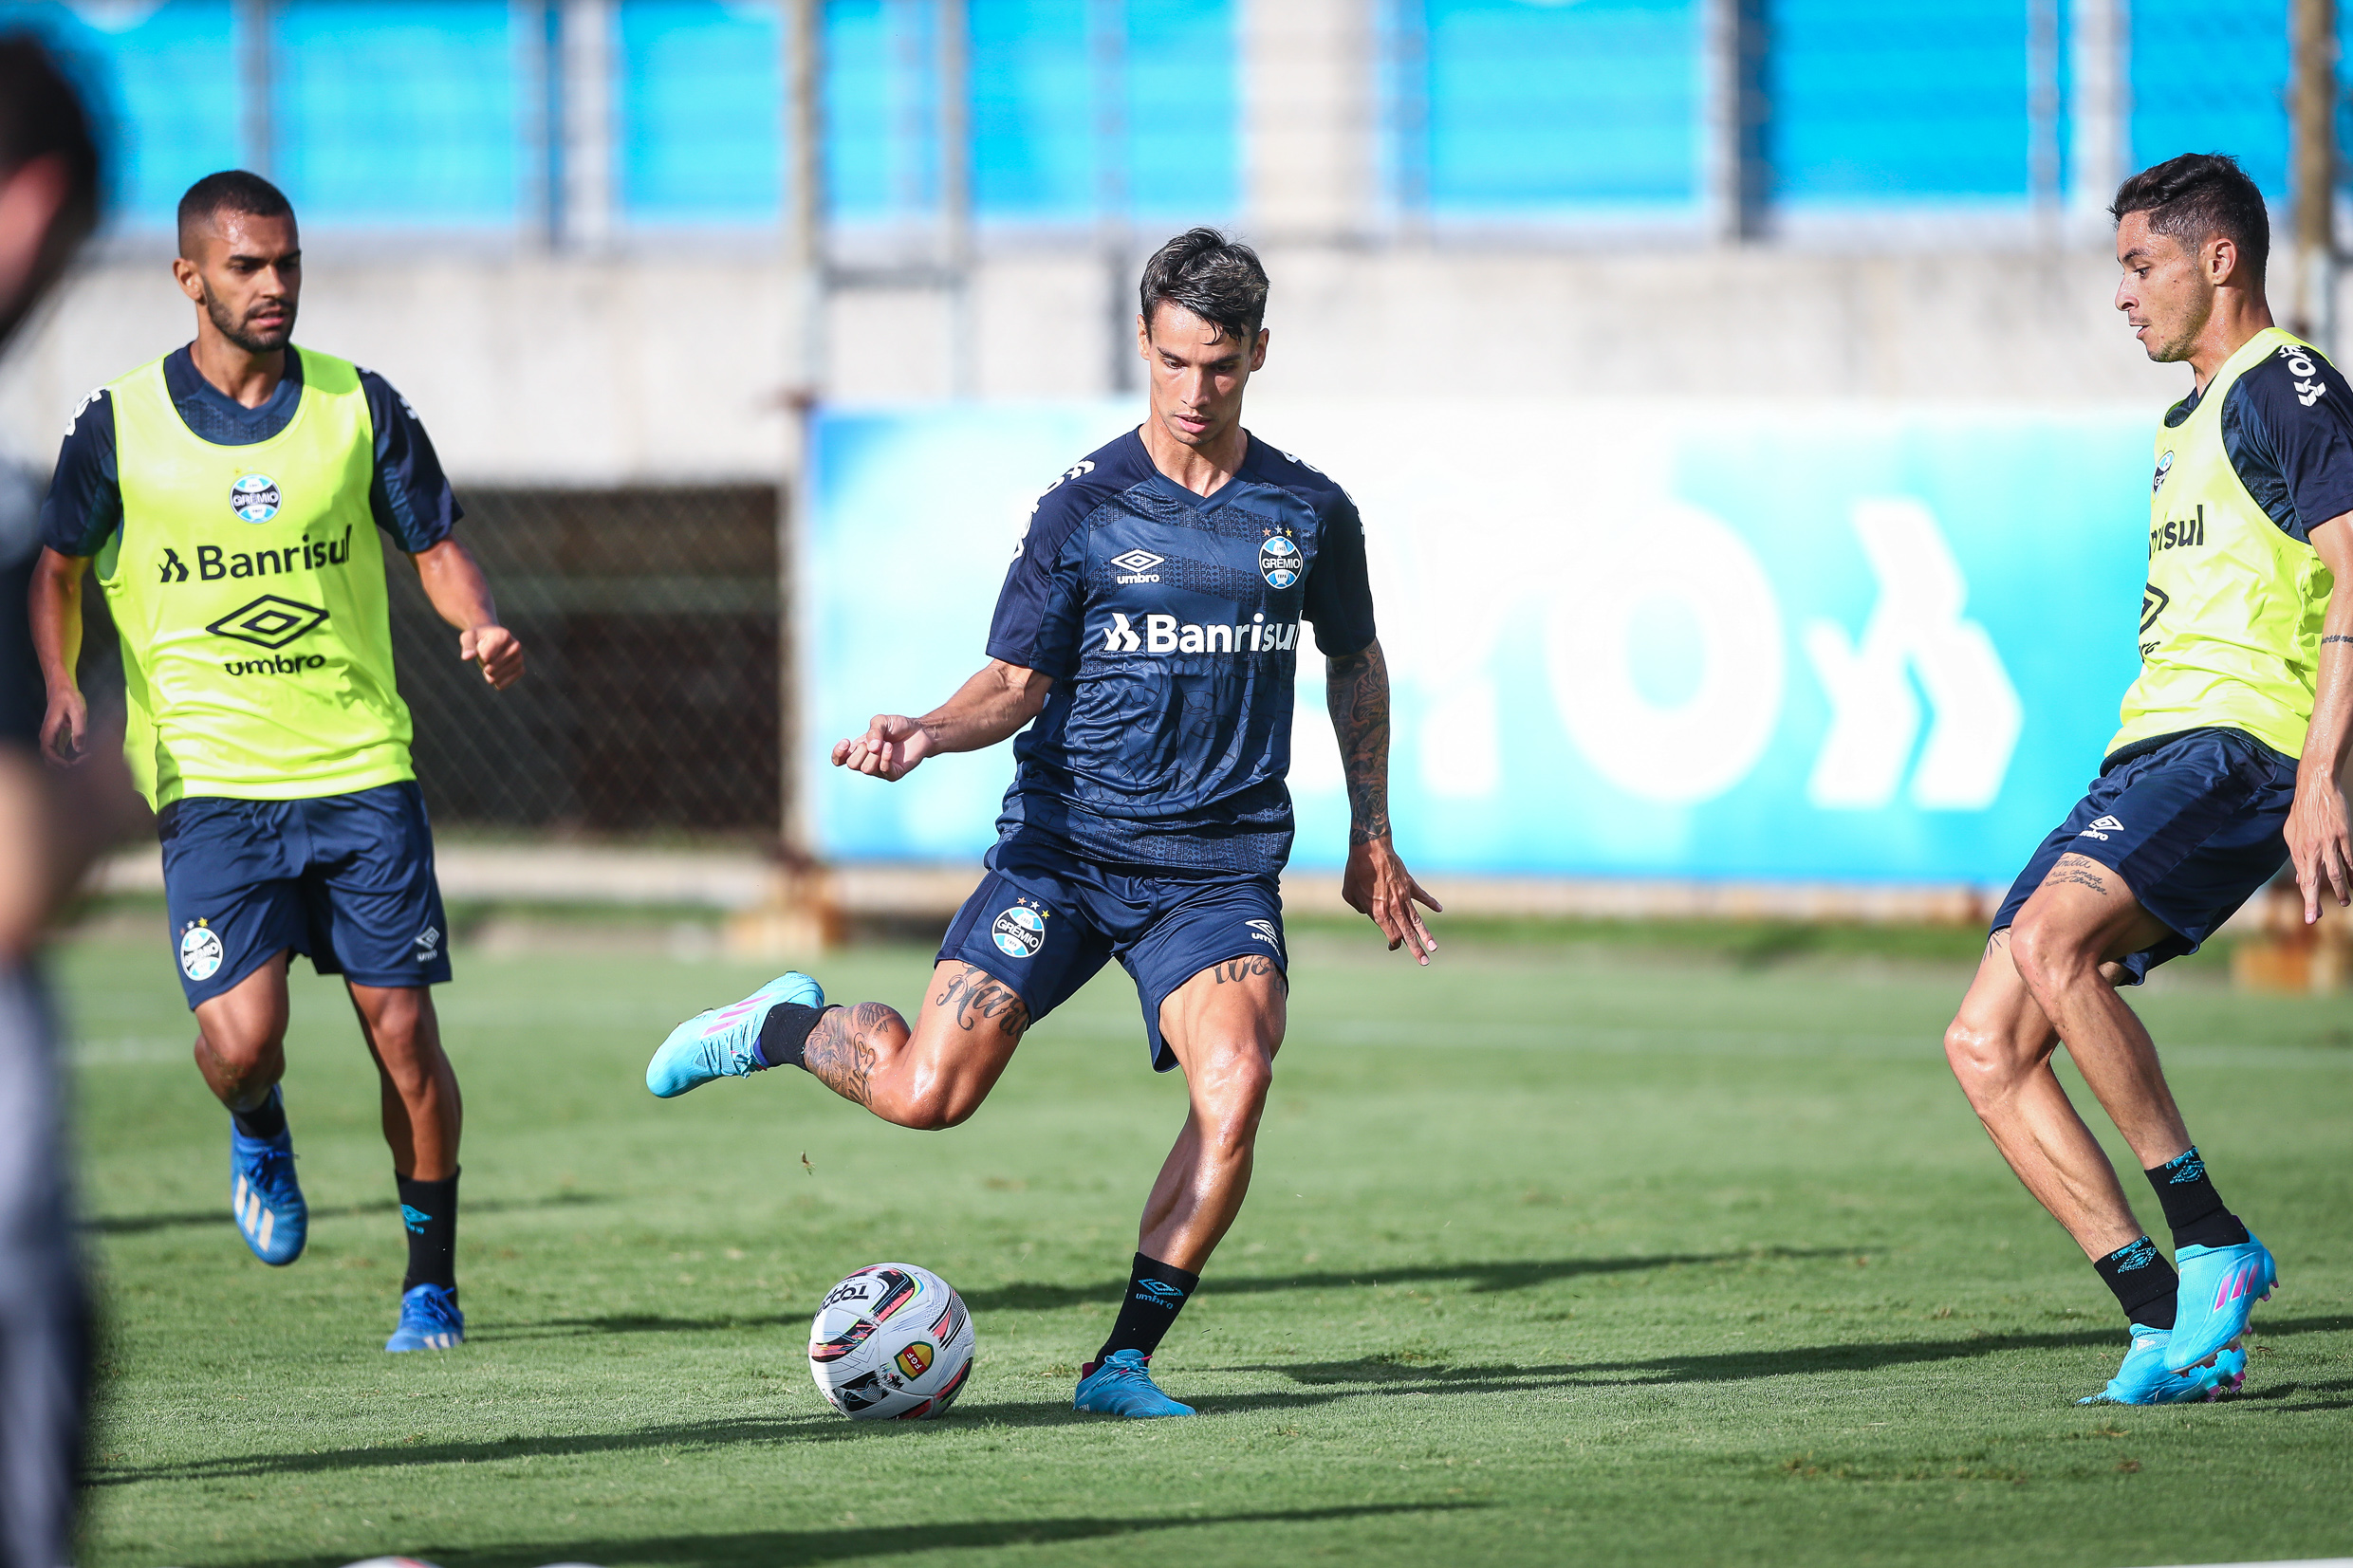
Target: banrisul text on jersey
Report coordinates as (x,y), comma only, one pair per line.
(1170,623)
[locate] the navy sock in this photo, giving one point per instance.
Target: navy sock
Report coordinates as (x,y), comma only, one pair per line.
(2193,1207)
(265,1121)
(428,1209)
(1156,1293)
(2144,1282)
(784,1033)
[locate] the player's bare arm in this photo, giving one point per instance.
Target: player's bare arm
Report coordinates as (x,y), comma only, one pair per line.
(991,707)
(54,609)
(1356,689)
(2319,842)
(452,581)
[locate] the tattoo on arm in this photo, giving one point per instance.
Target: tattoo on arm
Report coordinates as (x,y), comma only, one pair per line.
(2082,870)
(974,996)
(839,1053)
(2337,637)
(1356,689)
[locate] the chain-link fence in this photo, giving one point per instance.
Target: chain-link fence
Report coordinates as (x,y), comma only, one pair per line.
(650,620)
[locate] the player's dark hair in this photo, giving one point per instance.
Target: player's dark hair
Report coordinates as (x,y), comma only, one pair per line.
(2196,197)
(230,191)
(1218,279)
(42,117)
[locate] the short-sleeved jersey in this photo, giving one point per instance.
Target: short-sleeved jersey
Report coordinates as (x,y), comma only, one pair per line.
(408,495)
(1170,623)
(2231,615)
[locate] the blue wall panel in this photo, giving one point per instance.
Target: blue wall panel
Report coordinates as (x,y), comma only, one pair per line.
(166,86)
(2210,78)
(701,119)
(397,111)
(1871,102)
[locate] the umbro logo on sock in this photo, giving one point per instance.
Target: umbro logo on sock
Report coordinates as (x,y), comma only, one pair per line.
(2102,828)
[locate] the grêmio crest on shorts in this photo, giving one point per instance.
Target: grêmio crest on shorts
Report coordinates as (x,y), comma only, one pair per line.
(1172,625)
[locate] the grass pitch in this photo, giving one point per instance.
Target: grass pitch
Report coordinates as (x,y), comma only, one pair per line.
(1558,1251)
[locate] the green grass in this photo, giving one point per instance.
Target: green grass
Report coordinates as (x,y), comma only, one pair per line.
(1563,1249)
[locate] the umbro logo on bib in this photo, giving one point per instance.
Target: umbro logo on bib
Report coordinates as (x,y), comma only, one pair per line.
(2102,828)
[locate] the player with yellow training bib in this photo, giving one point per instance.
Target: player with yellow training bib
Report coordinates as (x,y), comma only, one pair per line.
(2230,761)
(228,500)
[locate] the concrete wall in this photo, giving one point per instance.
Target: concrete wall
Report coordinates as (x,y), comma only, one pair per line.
(647,369)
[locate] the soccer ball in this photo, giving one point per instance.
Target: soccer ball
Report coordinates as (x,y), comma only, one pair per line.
(891,1342)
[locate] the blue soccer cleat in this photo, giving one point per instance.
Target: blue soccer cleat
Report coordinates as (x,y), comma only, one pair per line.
(2144,1379)
(1121,1385)
(265,1197)
(2220,1287)
(429,1320)
(724,1042)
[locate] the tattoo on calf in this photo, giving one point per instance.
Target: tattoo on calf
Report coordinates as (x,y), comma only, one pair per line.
(973,996)
(2081,870)
(841,1054)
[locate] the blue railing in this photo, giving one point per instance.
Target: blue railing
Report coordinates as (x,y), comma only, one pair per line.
(451,113)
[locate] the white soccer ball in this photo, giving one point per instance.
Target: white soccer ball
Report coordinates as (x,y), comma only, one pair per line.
(892,1342)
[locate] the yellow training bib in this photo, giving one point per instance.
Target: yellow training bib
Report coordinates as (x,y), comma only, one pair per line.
(2231,614)
(248,585)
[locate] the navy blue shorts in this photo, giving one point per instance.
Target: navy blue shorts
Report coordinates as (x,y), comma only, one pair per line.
(2192,823)
(346,879)
(1044,923)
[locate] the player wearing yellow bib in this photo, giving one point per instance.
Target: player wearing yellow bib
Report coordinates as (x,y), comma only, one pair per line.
(228,499)
(2230,760)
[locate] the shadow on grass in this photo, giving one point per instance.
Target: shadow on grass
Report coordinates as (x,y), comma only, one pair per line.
(135,1225)
(1030,1296)
(783,1548)
(1319,1383)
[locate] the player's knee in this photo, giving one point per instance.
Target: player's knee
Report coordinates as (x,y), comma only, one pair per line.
(1235,1099)
(1980,1058)
(244,1058)
(2049,955)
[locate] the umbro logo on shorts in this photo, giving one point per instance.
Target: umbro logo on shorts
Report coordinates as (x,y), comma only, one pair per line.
(1265,932)
(2102,828)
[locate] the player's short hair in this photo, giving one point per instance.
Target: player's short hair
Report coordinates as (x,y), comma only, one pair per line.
(1218,279)
(42,117)
(2195,198)
(230,191)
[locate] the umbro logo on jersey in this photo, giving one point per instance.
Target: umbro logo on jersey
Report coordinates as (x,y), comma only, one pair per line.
(1136,566)
(2102,828)
(269,621)
(2153,602)
(1166,635)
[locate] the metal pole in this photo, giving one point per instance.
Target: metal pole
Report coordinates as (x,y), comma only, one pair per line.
(585,198)
(1108,45)
(2100,110)
(1735,110)
(805,267)
(2312,42)
(256,83)
(956,191)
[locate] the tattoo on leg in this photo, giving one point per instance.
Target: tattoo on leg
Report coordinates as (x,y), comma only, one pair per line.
(2082,870)
(839,1053)
(973,996)
(1234,970)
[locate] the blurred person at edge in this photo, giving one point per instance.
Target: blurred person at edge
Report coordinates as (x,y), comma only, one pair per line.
(51,824)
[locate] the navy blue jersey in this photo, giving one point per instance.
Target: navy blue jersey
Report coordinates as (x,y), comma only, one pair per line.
(24,697)
(2288,426)
(1170,623)
(409,495)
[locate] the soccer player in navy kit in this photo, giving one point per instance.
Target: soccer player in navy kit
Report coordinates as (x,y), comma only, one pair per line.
(1149,625)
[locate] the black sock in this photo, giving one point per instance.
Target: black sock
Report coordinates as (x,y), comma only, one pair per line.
(2193,1207)
(265,1121)
(1155,1294)
(2144,1282)
(784,1033)
(429,1208)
